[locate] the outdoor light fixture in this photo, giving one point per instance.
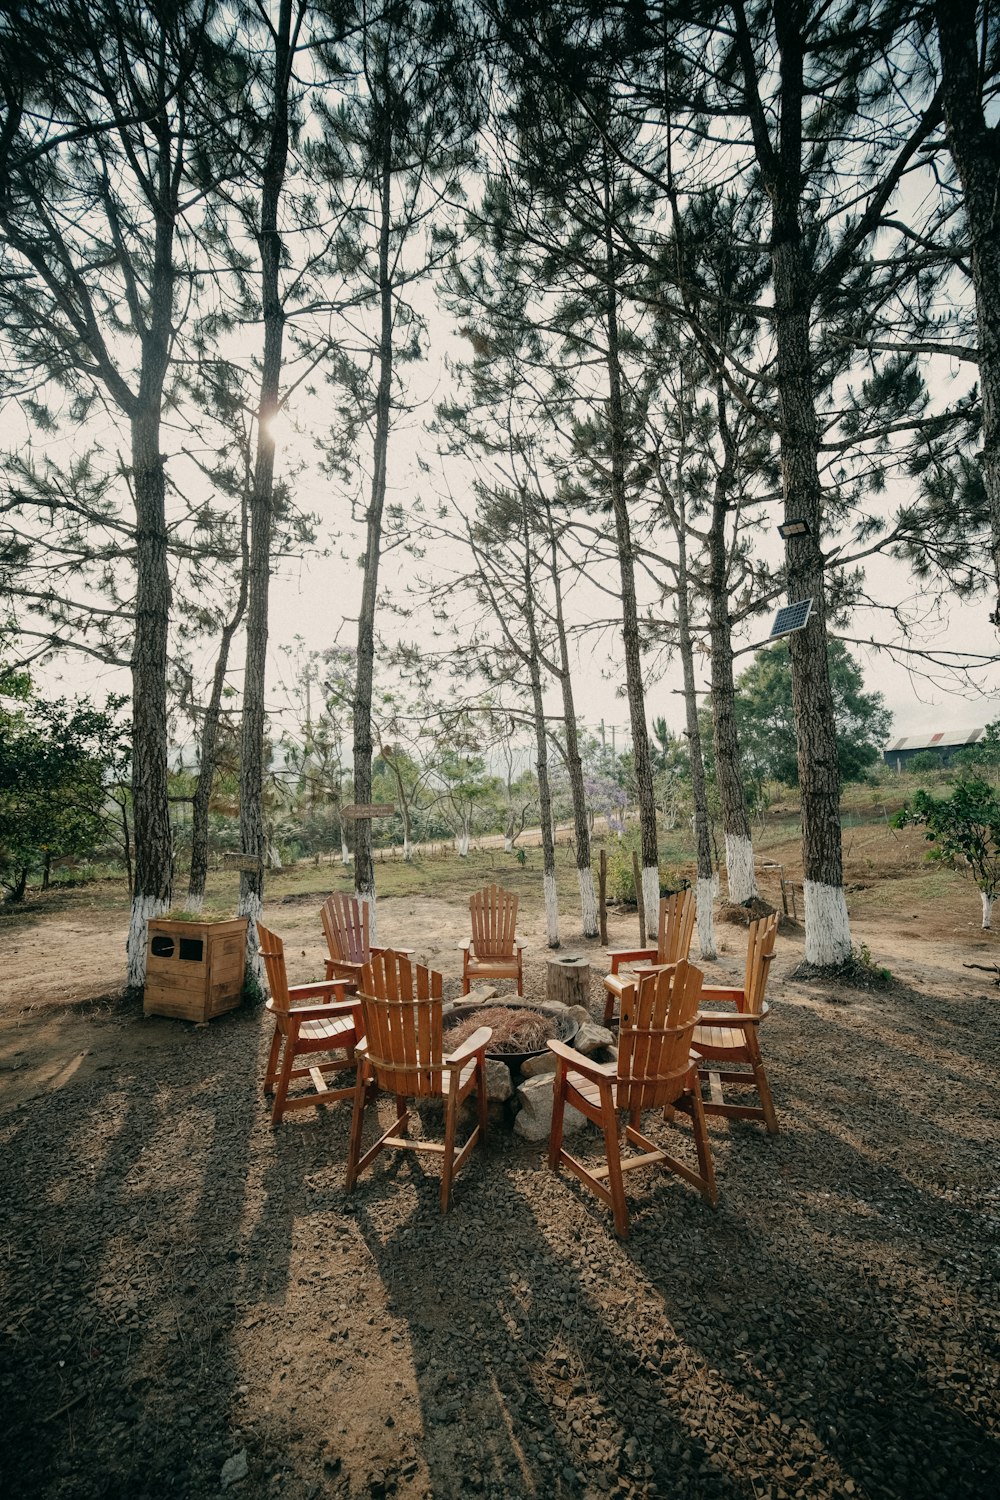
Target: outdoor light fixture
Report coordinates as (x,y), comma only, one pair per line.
(791,617)
(794,528)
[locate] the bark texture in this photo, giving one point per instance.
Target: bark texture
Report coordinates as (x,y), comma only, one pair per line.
(975,149)
(253,832)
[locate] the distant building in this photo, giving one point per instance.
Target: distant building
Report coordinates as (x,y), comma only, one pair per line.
(944,744)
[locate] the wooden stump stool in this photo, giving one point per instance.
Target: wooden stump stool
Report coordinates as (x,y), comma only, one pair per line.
(568,980)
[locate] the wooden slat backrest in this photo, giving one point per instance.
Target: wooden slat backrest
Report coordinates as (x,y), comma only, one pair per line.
(345,922)
(272,951)
(760,951)
(676,926)
(403,1028)
(494,918)
(654,1042)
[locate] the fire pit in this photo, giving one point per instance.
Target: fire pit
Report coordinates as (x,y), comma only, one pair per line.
(520,1030)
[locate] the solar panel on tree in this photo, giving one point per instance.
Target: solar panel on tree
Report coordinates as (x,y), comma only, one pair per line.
(791,617)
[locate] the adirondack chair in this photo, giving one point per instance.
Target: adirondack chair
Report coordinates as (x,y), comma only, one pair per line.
(332,1026)
(654,1070)
(345,922)
(731,1037)
(403,1054)
(672,944)
(495,951)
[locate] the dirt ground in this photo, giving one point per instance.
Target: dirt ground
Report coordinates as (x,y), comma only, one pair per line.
(190,1303)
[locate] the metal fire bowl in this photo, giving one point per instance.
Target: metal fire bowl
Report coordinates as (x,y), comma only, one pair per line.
(566,1027)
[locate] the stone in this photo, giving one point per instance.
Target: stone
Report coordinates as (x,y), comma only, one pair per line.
(534,1066)
(234,1469)
(535,1118)
(580,1013)
(499,1085)
(591,1038)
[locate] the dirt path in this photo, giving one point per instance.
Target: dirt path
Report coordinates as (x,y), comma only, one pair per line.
(187,1296)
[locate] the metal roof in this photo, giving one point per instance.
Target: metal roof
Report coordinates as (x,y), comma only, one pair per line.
(944,739)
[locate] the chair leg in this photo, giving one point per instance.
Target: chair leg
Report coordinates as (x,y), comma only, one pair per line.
(451,1125)
(764,1093)
(558,1114)
(703,1146)
(612,1151)
(609,1009)
(357,1128)
(403,1113)
(272,1061)
(281,1093)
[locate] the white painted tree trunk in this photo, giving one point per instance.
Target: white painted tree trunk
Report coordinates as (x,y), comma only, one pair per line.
(407,850)
(740,876)
(368,897)
(194,904)
(588,902)
(251,905)
(273,857)
(463,846)
(828,928)
(706,927)
(651,900)
(143,908)
(345,853)
(987,909)
(551,908)
(508,844)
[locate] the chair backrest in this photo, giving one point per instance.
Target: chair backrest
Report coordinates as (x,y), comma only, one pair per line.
(761,939)
(403,1031)
(272,951)
(677,914)
(494,918)
(654,1041)
(345,922)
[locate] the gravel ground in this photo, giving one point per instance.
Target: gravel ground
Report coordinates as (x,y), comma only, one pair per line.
(190,1304)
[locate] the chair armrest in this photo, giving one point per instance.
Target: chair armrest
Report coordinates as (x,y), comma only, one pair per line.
(726,1018)
(734,992)
(388,948)
(628,956)
(466,946)
(316,1012)
(520,942)
(605,1072)
(337,987)
(472,1044)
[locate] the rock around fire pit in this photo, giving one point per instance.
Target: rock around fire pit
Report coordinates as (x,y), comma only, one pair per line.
(522,1081)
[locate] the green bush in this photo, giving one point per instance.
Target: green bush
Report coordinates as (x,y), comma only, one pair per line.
(621,883)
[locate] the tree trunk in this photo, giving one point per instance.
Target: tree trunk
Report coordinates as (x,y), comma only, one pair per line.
(201,801)
(150,805)
(702,833)
(541,747)
(641,760)
(364,865)
(253,834)
(828,933)
(740,875)
(46,869)
(975,149)
(987,909)
(574,762)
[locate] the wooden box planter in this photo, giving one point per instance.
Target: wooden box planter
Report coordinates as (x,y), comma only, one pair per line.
(194,970)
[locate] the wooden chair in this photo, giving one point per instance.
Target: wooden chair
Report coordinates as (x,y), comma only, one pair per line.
(733,1037)
(346,924)
(655,1070)
(403,1054)
(673,943)
(302,1030)
(495,951)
